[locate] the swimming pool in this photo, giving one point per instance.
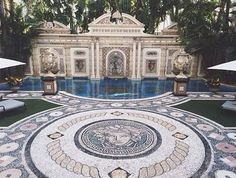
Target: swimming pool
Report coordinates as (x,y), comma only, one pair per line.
(115,88)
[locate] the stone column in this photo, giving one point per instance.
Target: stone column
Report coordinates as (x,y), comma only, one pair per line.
(134,60)
(139,60)
(92,61)
(97,61)
(36,61)
(68,62)
(163,61)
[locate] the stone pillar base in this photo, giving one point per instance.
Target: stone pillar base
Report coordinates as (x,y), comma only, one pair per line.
(180,85)
(49,85)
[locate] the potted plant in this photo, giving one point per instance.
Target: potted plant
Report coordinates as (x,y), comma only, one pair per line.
(214,84)
(14,82)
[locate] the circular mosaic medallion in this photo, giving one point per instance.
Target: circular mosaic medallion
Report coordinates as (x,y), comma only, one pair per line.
(135,143)
(117,139)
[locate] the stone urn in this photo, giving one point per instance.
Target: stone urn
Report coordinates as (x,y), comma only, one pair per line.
(50,67)
(181,63)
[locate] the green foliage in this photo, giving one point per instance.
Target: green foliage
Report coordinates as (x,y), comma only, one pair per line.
(18,32)
(96,9)
(197,20)
(124,6)
(78,13)
(206,29)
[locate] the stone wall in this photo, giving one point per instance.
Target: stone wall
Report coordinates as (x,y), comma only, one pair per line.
(133,55)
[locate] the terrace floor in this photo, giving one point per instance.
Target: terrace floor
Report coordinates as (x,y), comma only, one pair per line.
(140,138)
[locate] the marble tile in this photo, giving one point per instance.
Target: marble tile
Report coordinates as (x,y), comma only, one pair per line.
(180,136)
(42,119)
(216,136)
(28,126)
(119,173)
(8,147)
(232,136)
(225,147)
(56,113)
(5,160)
(205,127)
(12,173)
(176,114)
(2,135)
(229,160)
(16,136)
(225,174)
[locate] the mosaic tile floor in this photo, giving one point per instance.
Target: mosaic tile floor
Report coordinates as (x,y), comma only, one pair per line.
(144,138)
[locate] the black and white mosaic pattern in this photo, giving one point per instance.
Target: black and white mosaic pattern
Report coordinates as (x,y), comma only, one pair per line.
(117,139)
(51,135)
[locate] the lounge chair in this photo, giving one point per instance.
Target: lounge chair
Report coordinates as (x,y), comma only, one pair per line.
(10,104)
(229,105)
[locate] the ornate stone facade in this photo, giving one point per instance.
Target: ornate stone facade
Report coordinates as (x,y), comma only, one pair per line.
(110,50)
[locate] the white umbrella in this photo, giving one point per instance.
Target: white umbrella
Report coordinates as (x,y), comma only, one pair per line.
(5,63)
(231,66)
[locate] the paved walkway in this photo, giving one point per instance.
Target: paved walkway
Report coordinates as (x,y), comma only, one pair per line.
(117,139)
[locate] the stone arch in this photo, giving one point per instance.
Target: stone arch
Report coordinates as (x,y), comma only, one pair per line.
(116,63)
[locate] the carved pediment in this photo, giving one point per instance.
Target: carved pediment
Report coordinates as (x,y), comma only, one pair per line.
(170,30)
(125,24)
(106,20)
(53,27)
(127,20)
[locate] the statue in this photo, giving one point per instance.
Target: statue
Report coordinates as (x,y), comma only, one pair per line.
(116,17)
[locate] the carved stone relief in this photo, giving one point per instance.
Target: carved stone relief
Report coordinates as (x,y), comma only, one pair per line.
(80,60)
(151,66)
(49,61)
(151,60)
(80,65)
(52,60)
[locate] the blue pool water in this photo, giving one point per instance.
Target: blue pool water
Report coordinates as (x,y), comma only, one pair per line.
(115,88)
